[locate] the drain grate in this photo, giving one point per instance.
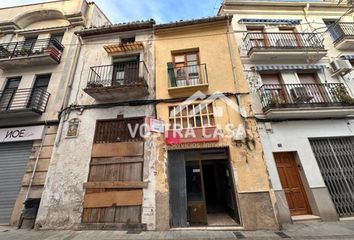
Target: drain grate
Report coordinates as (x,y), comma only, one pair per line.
(282,235)
(239,235)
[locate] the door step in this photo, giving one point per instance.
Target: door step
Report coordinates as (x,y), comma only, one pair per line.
(305,218)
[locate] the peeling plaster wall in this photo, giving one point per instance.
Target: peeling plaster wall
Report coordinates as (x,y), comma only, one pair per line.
(61,206)
(252,185)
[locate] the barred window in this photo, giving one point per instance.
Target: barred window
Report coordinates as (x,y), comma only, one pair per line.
(191,116)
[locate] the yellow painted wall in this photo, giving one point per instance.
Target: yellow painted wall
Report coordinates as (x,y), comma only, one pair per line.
(249,169)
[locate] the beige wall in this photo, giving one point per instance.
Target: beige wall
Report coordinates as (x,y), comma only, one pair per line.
(249,170)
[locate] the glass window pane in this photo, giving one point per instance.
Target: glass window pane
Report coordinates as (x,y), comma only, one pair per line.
(192,57)
(179,59)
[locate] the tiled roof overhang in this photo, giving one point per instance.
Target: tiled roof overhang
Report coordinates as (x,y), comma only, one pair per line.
(121,27)
(193,22)
(124,47)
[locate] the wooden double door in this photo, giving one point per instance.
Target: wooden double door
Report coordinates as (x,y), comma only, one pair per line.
(291,183)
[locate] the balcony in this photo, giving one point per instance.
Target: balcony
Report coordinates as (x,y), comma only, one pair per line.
(187,79)
(291,101)
(118,81)
(23,102)
(30,53)
(280,47)
(343,35)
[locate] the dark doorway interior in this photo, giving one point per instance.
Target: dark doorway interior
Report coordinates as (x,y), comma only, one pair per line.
(201,182)
(218,193)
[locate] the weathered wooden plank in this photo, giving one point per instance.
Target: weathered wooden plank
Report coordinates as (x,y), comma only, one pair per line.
(131,172)
(114,198)
(107,215)
(131,214)
(115,160)
(94,215)
(38,180)
(42,165)
(97,173)
(118,149)
(108,184)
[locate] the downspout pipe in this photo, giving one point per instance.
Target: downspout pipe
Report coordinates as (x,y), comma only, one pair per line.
(233,63)
(68,90)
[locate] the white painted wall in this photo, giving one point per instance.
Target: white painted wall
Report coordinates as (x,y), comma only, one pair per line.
(294,136)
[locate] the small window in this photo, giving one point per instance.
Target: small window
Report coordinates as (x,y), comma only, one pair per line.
(42,81)
(186,59)
(127,40)
(29,43)
(191,116)
(57,36)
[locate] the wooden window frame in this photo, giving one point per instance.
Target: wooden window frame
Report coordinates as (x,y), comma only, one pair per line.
(191,120)
(185,52)
(262,31)
(136,139)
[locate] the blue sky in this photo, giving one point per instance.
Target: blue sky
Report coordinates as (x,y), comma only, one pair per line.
(161,10)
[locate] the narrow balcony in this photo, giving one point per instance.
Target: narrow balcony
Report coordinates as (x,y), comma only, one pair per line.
(118,81)
(30,53)
(343,35)
(280,47)
(187,79)
(291,101)
(23,102)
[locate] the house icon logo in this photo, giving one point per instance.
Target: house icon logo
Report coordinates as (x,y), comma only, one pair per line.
(204,101)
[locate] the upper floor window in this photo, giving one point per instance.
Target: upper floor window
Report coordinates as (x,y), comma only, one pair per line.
(29,43)
(186,67)
(191,116)
(257,36)
(127,40)
(334,29)
(57,36)
(42,81)
(7,96)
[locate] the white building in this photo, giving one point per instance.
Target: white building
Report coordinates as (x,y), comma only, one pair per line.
(38,55)
(303,105)
(101,176)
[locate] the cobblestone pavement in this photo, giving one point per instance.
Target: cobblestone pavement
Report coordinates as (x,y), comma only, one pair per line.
(310,230)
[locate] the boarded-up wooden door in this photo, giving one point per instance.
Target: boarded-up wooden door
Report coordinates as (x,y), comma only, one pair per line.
(292,184)
(114,188)
(178,190)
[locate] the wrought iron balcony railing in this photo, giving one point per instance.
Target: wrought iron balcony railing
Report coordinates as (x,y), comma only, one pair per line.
(120,74)
(187,76)
(342,30)
(28,99)
(304,95)
(32,48)
(284,41)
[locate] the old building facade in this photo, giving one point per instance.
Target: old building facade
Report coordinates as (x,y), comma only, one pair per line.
(38,52)
(101,176)
(298,59)
(209,174)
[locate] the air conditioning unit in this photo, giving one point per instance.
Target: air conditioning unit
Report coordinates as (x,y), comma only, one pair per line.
(341,66)
(301,94)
